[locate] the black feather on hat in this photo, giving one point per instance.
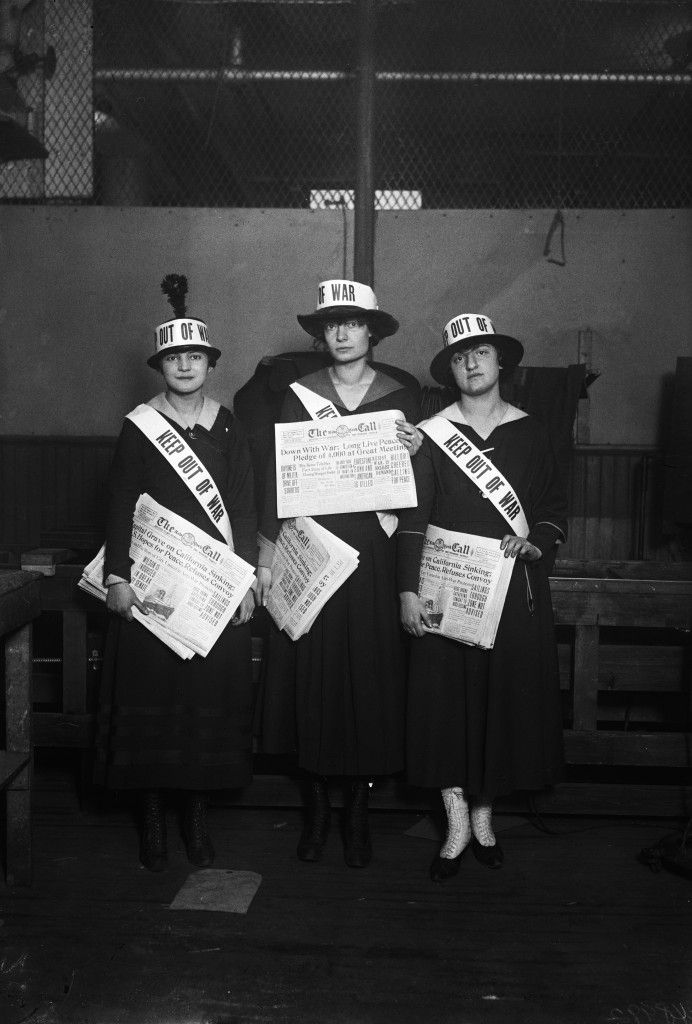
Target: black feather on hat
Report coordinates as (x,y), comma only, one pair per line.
(175,287)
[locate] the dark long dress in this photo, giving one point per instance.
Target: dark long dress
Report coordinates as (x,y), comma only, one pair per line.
(489,721)
(337,695)
(164,721)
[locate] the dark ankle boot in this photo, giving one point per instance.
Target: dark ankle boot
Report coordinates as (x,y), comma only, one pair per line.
(152,847)
(357,845)
(200,852)
(317,819)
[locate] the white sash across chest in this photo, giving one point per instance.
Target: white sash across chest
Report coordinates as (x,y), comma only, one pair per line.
(186,464)
(321,409)
(478,468)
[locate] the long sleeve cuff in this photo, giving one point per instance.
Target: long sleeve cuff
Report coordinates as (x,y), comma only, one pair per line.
(266,552)
(112,578)
(546,536)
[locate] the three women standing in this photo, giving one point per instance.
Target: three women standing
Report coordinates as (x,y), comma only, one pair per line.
(166,723)
(480,723)
(484,723)
(337,695)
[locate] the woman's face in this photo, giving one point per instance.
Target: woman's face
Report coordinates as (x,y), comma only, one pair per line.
(476,369)
(185,371)
(347,339)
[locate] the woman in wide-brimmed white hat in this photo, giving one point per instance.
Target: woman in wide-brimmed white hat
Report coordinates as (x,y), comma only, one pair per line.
(337,695)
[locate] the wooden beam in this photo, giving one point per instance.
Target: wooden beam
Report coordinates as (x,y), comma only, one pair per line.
(623,749)
(364,205)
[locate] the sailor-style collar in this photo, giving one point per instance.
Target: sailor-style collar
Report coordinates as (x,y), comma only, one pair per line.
(207,417)
(455,415)
(321,383)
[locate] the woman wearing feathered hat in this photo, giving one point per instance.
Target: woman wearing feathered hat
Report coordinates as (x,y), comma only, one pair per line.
(337,694)
(482,723)
(166,723)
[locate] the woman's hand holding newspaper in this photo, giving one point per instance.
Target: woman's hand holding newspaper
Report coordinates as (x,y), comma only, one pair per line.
(264,582)
(413,614)
(121,598)
(245,609)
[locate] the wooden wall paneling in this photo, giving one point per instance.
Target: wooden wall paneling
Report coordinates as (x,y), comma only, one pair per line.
(74,665)
(28,476)
(55,485)
(574,548)
(95,473)
(602,506)
(79,467)
(20,508)
(617,474)
(593,512)
(67,489)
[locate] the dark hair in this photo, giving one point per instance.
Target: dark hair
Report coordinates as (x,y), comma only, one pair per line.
(319,344)
(505,372)
(187,348)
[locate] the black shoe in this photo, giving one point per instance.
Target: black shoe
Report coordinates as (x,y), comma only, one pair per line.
(200,852)
(490,856)
(357,844)
(443,868)
(317,820)
(152,846)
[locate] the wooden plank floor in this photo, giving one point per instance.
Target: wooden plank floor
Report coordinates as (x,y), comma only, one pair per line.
(571,930)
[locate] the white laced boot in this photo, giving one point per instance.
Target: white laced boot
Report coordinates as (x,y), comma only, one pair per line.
(481,815)
(458,824)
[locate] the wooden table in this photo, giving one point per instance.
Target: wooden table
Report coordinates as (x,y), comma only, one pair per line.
(20,604)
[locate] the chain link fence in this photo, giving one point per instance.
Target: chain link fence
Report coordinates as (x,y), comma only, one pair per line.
(252,103)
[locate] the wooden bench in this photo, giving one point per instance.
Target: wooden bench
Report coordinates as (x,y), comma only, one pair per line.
(20,604)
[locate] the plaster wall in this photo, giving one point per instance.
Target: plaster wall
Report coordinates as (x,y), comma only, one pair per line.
(80,296)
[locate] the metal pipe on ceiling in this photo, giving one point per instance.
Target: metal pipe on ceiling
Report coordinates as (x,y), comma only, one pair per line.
(231,75)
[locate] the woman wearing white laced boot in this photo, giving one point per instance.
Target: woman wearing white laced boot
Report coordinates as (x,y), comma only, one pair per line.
(483,723)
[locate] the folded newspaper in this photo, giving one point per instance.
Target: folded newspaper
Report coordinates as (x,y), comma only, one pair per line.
(309,565)
(350,464)
(463,585)
(190,583)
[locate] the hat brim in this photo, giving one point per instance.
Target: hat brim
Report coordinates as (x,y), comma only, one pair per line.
(213,353)
(383,324)
(511,351)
